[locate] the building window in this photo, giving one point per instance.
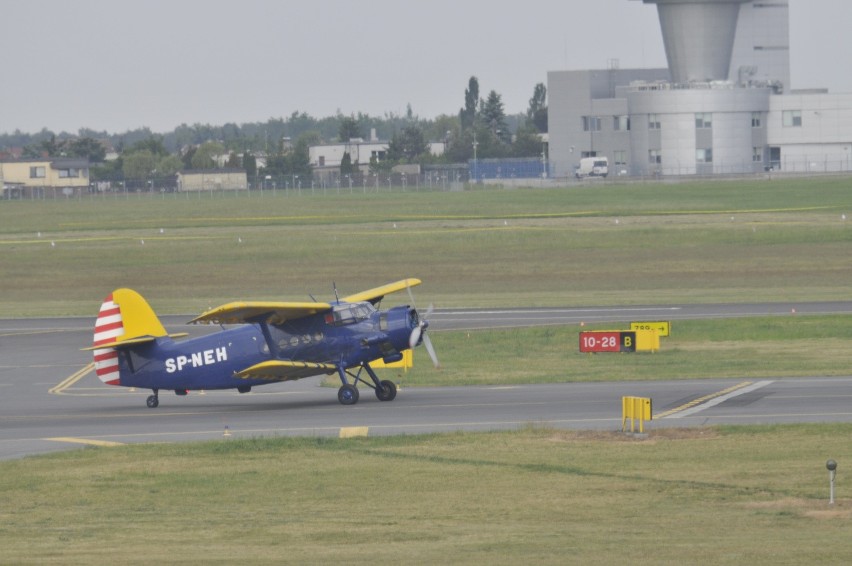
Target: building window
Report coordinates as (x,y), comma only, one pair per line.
(69,173)
(704,155)
(591,123)
(620,157)
(755,119)
(653,121)
(38,173)
(621,123)
(588,154)
(757,154)
(792,118)
(703,120)
(655,156)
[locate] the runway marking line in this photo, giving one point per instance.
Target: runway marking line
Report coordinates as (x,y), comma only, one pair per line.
(711,400)
(701,400)
(88,441)
(71,380)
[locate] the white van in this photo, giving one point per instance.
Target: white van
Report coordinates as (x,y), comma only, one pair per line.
(592,167)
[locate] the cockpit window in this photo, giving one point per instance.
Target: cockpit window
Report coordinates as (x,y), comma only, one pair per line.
(351,313)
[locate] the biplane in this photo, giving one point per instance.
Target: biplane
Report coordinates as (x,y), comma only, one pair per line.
(260,343)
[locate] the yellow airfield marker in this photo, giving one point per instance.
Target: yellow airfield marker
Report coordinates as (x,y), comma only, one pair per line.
(354,431)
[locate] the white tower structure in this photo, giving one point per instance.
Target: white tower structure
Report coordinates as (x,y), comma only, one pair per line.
(723,106)
(699,37)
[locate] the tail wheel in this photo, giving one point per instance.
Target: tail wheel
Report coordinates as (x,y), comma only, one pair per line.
(387,391)
(347,394)
(153,402)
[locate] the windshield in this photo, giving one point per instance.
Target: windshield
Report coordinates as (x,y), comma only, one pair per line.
(352,313)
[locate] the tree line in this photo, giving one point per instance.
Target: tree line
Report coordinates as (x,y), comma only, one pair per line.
(481,129)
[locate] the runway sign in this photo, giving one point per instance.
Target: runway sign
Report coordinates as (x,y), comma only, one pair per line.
(663,328)
(607,341)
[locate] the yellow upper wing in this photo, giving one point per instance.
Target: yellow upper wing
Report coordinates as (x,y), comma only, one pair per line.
(278,313)
(375,295)
(251,311)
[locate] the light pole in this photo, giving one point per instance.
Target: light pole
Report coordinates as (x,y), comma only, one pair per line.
(831,466)
(475,175)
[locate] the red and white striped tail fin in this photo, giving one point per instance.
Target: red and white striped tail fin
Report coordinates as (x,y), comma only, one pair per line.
(108,328)
(124,321)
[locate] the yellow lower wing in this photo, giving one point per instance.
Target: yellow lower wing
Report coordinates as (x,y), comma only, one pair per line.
(277,370)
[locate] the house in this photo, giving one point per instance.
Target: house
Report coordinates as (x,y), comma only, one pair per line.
(326,159)
(46,177)
(212,180)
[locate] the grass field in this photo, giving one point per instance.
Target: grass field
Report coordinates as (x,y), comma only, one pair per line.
(613,244)
(725,495)
(717,496)
(753,348)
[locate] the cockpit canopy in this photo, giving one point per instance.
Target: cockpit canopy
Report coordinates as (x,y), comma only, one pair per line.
(350,313)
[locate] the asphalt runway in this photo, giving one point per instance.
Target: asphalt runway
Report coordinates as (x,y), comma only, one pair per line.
(50,401)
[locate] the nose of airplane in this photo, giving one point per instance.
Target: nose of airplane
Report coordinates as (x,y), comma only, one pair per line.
(419,336)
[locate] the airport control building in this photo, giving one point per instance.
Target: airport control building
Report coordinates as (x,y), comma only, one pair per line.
(723,106)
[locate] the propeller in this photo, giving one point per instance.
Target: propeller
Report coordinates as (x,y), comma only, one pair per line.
(419,332)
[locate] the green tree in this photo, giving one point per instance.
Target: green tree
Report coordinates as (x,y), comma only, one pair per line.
(537,111)
(300,157)
(493,116)
(442,128)
(408,145)
(204,157)
(460,147)
(139,164)
(169,165)
(154,144)
(250,165)
(89,148)
(528,142)
(346,167)
(467,115)
(349,129)
(48,147)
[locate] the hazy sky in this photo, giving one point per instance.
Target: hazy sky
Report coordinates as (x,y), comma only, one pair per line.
(121,64)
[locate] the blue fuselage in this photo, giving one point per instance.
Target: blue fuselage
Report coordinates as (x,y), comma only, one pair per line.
(344,339)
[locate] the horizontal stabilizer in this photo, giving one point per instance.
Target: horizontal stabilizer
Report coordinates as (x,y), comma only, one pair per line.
(278,370)
(131,342)
(272,312)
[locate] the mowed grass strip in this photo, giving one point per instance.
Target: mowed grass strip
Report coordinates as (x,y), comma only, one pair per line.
(730,495)
(530,248)
(746,348)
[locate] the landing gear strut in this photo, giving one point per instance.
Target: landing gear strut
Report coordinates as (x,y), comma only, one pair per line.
(348,393)
(154,400)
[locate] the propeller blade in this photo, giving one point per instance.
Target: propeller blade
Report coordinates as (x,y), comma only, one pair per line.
(429,348)
(415,336)
(418,332)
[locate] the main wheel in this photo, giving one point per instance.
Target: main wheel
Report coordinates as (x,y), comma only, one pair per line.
(347,394)
(153,402)
(387,391)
